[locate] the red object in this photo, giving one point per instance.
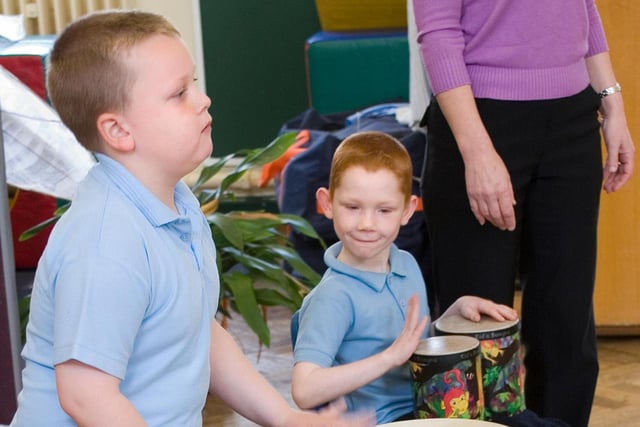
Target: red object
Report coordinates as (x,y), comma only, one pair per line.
(30,71)
(29,209)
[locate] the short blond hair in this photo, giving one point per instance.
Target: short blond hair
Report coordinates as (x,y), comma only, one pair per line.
(87,74)
(372,151)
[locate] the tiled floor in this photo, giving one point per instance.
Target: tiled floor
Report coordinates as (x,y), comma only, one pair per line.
(617,400)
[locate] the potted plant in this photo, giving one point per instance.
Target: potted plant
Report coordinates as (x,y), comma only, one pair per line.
(257,265)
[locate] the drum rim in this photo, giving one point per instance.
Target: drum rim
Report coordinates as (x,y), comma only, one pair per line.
(440,422)
(465,343)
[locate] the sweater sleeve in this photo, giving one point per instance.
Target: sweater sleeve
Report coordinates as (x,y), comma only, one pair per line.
(597,39)
(441,43)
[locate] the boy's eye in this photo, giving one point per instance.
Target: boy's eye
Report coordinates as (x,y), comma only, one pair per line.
(182,91)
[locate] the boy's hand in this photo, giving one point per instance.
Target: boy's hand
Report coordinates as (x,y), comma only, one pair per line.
(407,342)
(472,307)
(333,415)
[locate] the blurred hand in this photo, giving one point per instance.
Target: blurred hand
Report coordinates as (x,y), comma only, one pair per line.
(333,415)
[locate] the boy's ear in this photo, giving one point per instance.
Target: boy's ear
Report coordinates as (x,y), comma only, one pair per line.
(324,202)
(115,132)
(409,209)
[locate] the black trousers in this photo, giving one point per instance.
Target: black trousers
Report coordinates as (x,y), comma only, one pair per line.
(553,153)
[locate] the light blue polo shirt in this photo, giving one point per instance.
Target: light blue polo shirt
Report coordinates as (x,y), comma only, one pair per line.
(352,314)
(129,287)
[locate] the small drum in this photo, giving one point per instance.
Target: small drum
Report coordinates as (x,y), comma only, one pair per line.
(446,378)
(502,367)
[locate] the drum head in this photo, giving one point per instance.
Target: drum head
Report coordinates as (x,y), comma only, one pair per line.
(445,345)
(456,324)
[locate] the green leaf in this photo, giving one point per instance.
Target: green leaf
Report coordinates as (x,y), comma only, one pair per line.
(273,151)
(210,171)
(228,228)
(271,297)
(258,157)
(27,234)
(23,308)
(301,225)
(292,257)
(270,270)
(241,287)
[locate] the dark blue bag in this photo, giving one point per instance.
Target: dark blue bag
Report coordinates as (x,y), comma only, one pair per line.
(307,171)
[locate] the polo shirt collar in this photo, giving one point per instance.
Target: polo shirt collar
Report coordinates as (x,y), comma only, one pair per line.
(156,212)
(374,280)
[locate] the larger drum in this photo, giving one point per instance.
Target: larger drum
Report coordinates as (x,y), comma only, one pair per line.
(502,367)
(446,376)
(442,422)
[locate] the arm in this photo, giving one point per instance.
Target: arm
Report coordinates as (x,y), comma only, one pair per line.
(92,397)
(619,163)
(488,182)
(472,307)
(442,46)
(313,385)
(246,391)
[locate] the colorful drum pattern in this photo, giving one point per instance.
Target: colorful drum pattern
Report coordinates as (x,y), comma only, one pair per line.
(502,367)
(446,375)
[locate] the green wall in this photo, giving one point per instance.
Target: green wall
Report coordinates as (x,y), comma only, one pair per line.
(254,67)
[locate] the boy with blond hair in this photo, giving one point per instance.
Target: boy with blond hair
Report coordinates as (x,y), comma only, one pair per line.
(122,329)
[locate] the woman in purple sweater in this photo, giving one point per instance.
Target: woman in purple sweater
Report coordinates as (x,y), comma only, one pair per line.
(514,171)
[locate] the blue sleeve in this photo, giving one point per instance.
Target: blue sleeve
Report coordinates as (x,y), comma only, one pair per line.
(326,317)
(99,306)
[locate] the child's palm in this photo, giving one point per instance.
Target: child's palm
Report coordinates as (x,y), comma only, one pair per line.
(407,342)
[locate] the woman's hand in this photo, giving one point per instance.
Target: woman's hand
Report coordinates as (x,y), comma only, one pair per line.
(620,149)
(472,308)
(489,190)
(488,182)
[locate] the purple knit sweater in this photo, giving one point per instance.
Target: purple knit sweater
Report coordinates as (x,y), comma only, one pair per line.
(509,49)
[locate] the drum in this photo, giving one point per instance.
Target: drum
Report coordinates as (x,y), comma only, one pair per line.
(502,367)
(446,378)
(441,422)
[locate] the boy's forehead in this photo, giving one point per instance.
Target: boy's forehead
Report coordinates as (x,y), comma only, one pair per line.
(364,174)
(161,55)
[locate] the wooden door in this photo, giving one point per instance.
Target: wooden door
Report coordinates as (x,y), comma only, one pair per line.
(617,295)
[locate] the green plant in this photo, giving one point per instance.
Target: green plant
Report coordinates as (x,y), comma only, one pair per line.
(252,246)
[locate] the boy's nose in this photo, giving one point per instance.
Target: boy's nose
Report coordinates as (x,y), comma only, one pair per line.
(201,100)
(206,101)
(366,221)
